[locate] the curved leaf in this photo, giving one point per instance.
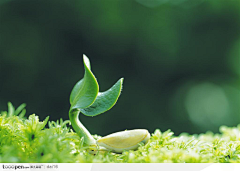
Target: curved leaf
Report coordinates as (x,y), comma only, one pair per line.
(105,100)
(86,98)
(75,90)
(86,90)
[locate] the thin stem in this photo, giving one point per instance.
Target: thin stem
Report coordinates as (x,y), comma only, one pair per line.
(80,129)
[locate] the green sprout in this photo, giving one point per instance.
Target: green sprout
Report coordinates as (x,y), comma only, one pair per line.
(28,139)
(85,98)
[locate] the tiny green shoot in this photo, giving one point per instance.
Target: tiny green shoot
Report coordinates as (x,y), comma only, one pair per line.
(85,98)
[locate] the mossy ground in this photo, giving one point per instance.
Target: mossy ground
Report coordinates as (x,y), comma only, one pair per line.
(28,140)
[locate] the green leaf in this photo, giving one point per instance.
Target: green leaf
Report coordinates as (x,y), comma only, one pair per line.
(105,100)
(11,109)
(86,90)
(75,90)
(33,124)
(85,95)
(22,114)
(19,109)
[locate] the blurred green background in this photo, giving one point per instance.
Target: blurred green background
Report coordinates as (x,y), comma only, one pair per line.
(180,60)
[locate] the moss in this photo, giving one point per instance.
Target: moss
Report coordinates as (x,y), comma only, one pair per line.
(29,140)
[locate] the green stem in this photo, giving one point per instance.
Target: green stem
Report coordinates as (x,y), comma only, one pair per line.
(80,129)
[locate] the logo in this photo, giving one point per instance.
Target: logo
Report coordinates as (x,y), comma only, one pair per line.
(13,166)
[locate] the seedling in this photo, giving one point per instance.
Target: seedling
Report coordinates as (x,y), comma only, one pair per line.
(85,98)
(27,140)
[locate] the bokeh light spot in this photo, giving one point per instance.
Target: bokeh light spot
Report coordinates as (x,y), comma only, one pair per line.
(206,103)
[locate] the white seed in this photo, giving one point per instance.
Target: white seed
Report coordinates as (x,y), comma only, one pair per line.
(124,140)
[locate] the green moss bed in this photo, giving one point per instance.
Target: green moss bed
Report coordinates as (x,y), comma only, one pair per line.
(29,140)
